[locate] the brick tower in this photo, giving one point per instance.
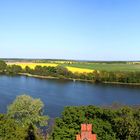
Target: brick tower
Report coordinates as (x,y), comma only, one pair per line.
(86,133)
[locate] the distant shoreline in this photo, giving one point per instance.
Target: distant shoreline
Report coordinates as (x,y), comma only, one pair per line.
(51,77)
(57,59)
(80,80)
(121,83)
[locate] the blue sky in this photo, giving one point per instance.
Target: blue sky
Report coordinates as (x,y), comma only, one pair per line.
(70,29)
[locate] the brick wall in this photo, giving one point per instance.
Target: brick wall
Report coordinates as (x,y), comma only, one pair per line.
(86,133)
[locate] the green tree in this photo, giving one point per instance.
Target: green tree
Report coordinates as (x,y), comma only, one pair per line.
(11,130)
(96,76)
(108,123)
(28,69)
(27,111)
(62,71)
(13,69)
(2,66)
(126,125)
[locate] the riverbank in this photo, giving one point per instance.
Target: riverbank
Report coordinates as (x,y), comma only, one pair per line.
(57,78)
(38,76)
(120,83)
(80,80)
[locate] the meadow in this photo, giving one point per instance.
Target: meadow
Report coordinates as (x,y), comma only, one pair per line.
(101,66)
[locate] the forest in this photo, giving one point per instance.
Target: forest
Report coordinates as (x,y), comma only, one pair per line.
(109,123)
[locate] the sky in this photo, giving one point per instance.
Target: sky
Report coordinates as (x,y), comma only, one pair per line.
(70,29)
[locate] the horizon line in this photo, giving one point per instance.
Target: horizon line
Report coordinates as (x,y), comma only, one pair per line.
(60,59)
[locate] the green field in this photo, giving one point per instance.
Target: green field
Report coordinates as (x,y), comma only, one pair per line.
(107,66)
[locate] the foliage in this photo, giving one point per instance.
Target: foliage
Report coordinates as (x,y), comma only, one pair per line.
(13,69)
(27,110)
(126,124)
(113,124)
(95,76)
(23,120)
(10,130)
(52,64)
(81,67)
(125,74)
(2,66)
(33,65)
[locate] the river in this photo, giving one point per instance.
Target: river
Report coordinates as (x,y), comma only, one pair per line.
(56,94)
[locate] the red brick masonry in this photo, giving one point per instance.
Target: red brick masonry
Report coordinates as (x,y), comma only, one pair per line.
(86,133)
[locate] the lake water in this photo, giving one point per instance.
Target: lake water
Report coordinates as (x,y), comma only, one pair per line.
(58,93)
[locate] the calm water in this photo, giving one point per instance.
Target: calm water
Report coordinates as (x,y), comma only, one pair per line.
(56,94)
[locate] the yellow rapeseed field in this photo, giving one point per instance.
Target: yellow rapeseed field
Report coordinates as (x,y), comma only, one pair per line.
(33,65)
(79,70)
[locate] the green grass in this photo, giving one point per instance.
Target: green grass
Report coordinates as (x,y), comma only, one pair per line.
(107,66)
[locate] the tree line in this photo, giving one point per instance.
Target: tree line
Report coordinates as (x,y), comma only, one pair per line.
(24,120)
(64,73)
(108,123)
